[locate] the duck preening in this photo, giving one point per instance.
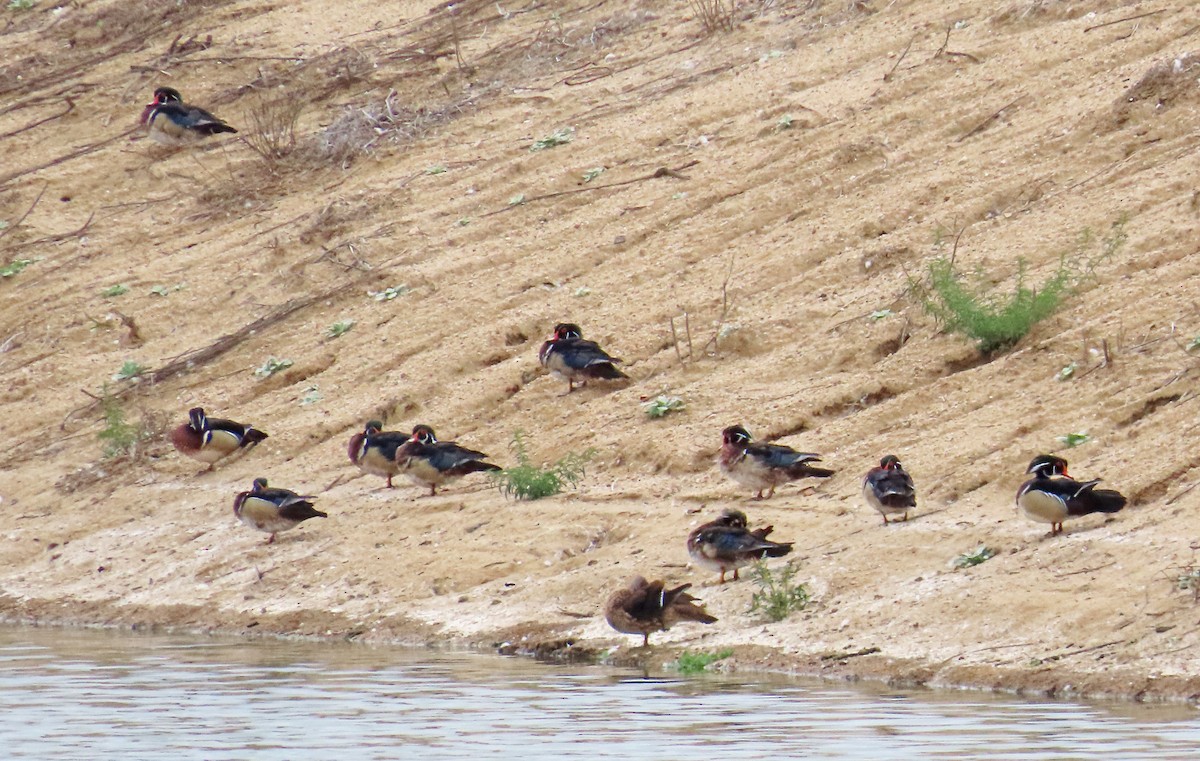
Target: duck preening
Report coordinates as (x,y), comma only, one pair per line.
(374,450)
(172,122)
(210,439)
(727,544)
(1052,496)
(764,466)
(429,462)
(643,607)
(569,356)
(273,510)
(889,489)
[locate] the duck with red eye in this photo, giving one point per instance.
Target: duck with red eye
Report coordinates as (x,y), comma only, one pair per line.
(642,607)
(764,466)
(211,439)
(569,356)
(889,489)
(429,462)
(1052,496)
(172,122)
(727,544)
(374,450)
(273,510)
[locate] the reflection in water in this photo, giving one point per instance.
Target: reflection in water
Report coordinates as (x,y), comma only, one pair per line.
(88,695)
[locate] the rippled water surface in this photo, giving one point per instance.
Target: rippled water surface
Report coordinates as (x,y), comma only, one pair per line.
(92,695)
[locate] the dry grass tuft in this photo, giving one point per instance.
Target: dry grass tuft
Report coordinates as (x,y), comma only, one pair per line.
(271,127)
(715,15)
(359,131)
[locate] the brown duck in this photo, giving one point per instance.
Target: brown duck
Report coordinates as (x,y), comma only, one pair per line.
(889,489)
(273,510)
(1052,496)
(569,356)
(374,450)
(429,462)
(644,607)
(211,439)
(172,122)
(726,544)
(764,466)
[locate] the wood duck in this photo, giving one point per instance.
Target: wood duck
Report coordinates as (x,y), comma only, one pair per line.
(889,489)
(175,123)
(764,466)
(569,356)
(430,462)
(209,439)
(273,510)
(1052,496)
(726,544)
(644,607)
(374,450)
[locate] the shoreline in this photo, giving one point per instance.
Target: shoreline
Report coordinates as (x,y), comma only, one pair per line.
(1123,686)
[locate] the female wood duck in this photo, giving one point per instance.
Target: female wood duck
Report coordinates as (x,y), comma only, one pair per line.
(889,489)
(374,450)
(764,466)
(209,439)
(726,544)
(644,607)
(430,462)
(175,123)
(273,510)
(569,356)
(1052,496)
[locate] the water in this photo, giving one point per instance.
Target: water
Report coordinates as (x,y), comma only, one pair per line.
(92,695)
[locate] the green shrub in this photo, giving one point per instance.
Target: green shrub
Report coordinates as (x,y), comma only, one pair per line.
(118,436)
(777,596)
(528,481)
(695,663)
(996,319)
(980,554)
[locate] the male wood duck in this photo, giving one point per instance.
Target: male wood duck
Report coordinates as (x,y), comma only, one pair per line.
(764,466)
(889,489)
(726,544)
(273,510)
(374,450)
(644,607)
(175,123)
(209,439)
(430,462)
(1052,496)
(569,356)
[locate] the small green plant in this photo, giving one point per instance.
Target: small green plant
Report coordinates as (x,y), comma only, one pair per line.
(14,267)
(21,5)
(1189,581)
(312,395)
(129,370)
(980,554)
(1191,346)
(696,663)
(114,290)
(517,200)
(554,139)
(463,222)
(1072,440)
(785,122)
(528,481)
(117,436)
(164,291)
(339,328)
(582,291)
(662,405)
(879,314)
(272,366)
(778,596)
(439,169)
(1068,372)
(997,320)
(387,294)
(593,173)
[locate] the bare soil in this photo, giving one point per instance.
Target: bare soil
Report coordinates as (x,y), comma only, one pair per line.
(767,192)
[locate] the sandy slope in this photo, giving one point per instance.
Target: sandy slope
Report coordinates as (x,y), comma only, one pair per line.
(817,153)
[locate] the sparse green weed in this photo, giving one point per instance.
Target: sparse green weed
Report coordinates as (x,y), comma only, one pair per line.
(980,554)
(662,405)
(439,169)
(593,173)
(21,5)
(163,290)
(554,139)
(272,366)
(778,596)
(696,663)
(1072,440)
(118,436)
(387,294)
(528,481)
(339,328)
(517,200)
(1068,372)
(114,290)
(129,370)
(312,395)
(14,267)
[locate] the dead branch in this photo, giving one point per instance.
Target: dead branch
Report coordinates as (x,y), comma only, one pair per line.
(28,211)
(984,124)
(70,107)
(662,171)
(57,236)
(887,77)
(1127,18)
(89,148)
